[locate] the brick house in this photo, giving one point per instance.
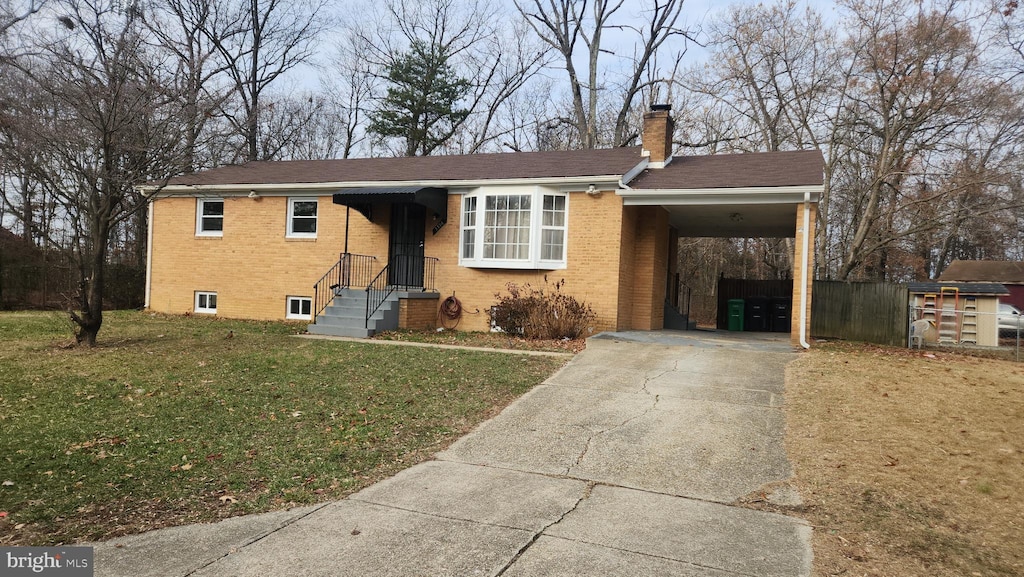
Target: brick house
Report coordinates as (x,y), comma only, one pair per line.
(251,241)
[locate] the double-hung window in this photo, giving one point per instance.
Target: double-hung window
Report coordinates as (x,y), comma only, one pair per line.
(552,228)
(210,217)
(302,217)
(469,228)
(514,227)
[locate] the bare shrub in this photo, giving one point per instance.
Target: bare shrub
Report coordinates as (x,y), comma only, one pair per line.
(536,313)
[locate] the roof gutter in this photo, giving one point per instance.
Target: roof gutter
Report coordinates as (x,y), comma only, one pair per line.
(149,255)
(291,188)
(719,196)
(631,174)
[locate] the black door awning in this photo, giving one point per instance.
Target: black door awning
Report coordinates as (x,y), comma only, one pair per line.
(362,199)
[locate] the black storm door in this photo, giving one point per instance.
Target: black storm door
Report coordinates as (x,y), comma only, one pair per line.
(405,248)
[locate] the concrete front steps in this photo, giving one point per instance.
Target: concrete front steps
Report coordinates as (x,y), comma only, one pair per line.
(346,316)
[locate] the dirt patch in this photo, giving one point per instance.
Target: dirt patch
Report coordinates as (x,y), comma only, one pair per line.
(909,463)
(502,341)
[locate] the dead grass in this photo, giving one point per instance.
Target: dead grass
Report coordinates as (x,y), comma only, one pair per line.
(495,340)
(910,463)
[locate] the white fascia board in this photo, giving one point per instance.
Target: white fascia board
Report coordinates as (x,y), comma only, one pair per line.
(712,196)
(313,188)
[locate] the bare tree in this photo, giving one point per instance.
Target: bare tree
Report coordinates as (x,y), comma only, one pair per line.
(918,131)
(772,82)
(182,29)
(349,87)
(912,88)
(564,24)
(775,68)
(103,122)
(306,127)
(34,210)
(259,41)
(12,12)
(495,59)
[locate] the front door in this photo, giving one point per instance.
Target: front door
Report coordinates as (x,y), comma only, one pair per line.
(405,248)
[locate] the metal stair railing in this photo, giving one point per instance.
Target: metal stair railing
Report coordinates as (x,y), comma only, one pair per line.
(350,270)
(379,289)
(377,293)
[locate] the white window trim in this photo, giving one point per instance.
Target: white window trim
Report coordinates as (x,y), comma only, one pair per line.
(463,228)
(205,310)
(564,228)
(537,194)
(298,317)
(199,218)
(291,214)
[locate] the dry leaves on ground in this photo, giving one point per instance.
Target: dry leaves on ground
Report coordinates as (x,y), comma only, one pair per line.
(910,463)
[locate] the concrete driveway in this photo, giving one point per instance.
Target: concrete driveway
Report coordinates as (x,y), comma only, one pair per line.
(629,461)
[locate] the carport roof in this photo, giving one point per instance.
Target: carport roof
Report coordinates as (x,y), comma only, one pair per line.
(749,170)
(732,195)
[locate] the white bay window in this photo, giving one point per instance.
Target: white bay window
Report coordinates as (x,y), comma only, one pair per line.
(514,227)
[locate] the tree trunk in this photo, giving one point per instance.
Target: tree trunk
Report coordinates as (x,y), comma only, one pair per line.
(91,286)
(253,121)
(93,267)
(27,212)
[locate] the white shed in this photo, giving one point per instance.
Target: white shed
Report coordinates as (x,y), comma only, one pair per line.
(962,313)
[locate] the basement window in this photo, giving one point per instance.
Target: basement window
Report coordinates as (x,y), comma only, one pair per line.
(206,303)
(300,308)
(514,227)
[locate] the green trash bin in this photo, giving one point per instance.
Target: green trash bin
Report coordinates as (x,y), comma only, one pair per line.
(735,314)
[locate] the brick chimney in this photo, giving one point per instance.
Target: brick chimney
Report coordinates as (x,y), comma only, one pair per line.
(657,134)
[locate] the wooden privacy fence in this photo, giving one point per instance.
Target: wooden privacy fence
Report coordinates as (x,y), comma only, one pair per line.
(869,312)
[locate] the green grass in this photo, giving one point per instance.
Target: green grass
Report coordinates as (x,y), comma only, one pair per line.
(168,421)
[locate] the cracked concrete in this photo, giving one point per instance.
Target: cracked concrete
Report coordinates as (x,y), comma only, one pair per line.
(629,461)
(713,430)
(590,439)
(536,536)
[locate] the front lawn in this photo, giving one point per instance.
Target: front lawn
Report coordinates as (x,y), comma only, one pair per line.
(174,420)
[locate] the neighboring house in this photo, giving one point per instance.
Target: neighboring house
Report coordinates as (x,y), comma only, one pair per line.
(962,313)
(1008,273)
(251,241)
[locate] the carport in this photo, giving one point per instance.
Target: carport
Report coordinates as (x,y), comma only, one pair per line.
(756,195)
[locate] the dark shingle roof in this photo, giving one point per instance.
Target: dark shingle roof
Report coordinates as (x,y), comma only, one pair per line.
(755,169)
(977,288)
(556,164)
(1001,271)
(764,169)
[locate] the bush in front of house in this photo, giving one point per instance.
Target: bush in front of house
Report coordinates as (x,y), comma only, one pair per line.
(536,313)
